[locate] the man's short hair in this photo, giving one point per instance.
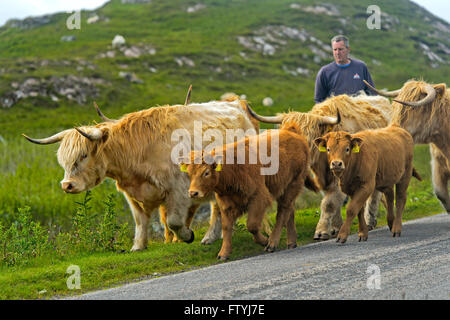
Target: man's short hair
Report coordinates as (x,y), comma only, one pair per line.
(340,37)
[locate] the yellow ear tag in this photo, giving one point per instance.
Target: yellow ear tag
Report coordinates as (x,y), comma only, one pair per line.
(183,167)
(219,166)
(355,149)
(322,149)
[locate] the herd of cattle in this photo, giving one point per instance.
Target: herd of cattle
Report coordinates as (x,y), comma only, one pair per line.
(360,146)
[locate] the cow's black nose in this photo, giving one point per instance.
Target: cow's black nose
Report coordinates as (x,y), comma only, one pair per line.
(337,164)
(67,186)
(193,194)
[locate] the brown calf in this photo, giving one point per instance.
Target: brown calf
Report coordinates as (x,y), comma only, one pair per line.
(367,161)
(241,188)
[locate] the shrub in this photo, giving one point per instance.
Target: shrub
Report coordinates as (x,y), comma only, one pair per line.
(24,239)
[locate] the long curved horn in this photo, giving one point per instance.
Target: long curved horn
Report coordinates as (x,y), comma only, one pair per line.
(53,139)
(273,119)
(104,118)
(431,95)
(332,120)
(391,94)
(188,96)
(96,135)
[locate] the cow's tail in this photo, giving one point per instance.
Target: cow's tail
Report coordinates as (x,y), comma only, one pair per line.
(416,175)
(311,183)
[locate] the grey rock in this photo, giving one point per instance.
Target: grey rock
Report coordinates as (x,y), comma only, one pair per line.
(130,77)
(29,23)
(68,38)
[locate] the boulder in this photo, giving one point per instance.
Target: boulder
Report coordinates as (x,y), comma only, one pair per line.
(267,102)
(118,41)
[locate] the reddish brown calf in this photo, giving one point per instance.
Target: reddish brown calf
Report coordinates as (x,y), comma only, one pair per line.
(241,188)
(372,159)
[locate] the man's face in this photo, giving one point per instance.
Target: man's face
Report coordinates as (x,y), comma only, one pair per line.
(340,52)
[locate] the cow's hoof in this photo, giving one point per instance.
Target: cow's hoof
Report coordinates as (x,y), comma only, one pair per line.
(210,237)
(269,248)
(292,246)
(341,240)
(396,234)
(191,239)
(207,241)
(362,238)
(137,247)
(222,258)
(321,236)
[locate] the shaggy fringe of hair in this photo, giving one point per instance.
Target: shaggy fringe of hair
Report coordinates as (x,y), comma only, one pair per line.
(359,108)
(413,90)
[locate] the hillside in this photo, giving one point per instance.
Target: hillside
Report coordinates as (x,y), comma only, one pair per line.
(258,48)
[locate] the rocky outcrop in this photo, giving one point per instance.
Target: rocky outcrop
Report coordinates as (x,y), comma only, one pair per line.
(270,39)
(195,8)
(71,87)
(181,61)
(29,23)
(135,1)
(323,8)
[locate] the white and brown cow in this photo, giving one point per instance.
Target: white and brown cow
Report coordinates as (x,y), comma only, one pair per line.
(136,152)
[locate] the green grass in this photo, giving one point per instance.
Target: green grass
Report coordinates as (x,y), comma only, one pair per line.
(30,174)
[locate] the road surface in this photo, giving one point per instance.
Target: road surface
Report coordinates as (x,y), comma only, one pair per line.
(414,266)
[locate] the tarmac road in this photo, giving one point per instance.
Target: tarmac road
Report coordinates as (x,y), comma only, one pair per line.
(414,266)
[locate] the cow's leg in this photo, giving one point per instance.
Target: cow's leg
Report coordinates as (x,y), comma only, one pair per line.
(256,212)
(215,225)
(363,230)
(400,201)
(285,215)
(141,219)
(178,206)
(353,208)
(291,231)
(168,235)
(389,194)
(336,222)
(330,213)
(440,175)
(371,209)
(228,214)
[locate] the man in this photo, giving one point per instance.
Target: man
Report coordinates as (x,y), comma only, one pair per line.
(344,75)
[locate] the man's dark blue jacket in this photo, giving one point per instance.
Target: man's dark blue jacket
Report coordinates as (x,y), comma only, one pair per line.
(334,79)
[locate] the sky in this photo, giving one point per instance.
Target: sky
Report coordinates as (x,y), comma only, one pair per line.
(20,9)
(25,8)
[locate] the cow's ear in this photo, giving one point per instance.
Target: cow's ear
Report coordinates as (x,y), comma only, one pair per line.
(356,144)
(321,144)
(182,162)
(218,160)
(440,89)
(183,167)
